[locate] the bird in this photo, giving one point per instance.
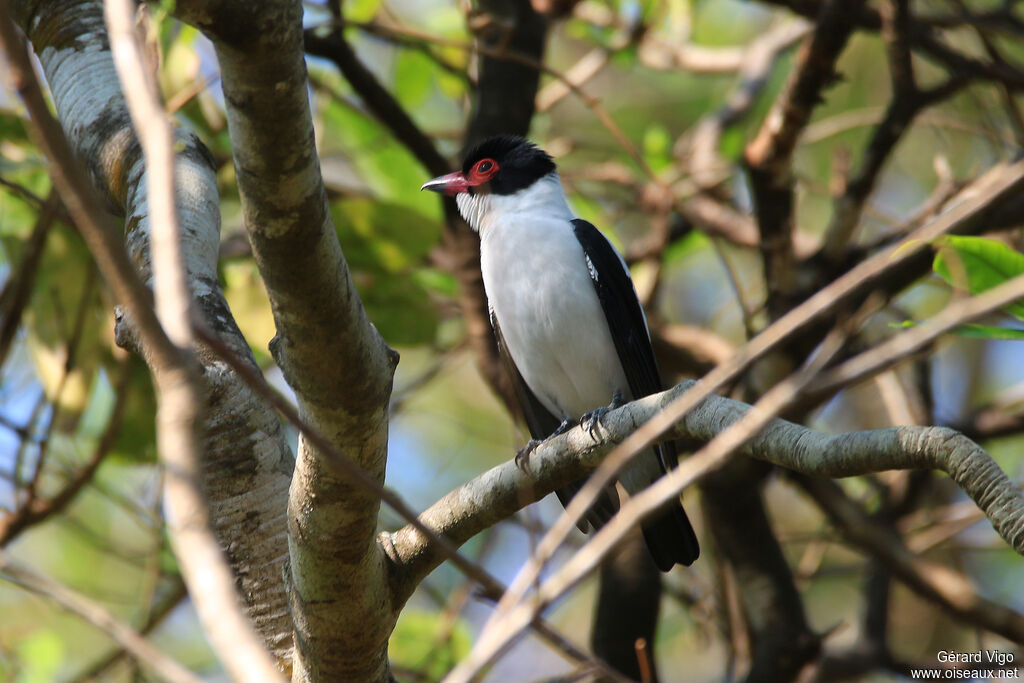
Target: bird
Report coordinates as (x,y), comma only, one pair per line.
(569,326)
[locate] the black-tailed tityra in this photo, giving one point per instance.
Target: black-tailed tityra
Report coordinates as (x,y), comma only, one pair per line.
(566,316)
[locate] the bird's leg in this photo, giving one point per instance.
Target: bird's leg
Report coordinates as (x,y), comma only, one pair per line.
(523,454)
(593,420)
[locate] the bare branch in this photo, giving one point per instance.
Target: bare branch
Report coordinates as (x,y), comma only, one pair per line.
(782,641)
(41,509)
(754,68)
(908,100)
(947,588)
(97,615)
(816,453)
(966,463)
(326,347)
(329,42)
(924,39)
(515,609)
(241,435)
(205,569)
(769,155)
(465,511)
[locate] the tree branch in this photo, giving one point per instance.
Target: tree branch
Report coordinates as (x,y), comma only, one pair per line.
(769,155)
(139,648)
(502,490)
(329,42)
(782,641)
(908,100)
(242,436)
(758,60)
(327,349)
(995,494)
(178,420)
(345,468)
(941,585)
(923,38)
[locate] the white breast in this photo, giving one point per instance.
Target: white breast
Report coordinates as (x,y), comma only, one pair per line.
(539,287)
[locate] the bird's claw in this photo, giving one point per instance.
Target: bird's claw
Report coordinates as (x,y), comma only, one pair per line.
(594,420)
(523,454)
(522,458)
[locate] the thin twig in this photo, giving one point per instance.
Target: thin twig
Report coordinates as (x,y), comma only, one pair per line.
(159,612)
(97,615)
(41,509)
(590,101)
(769,156)
(18,287)
(204,566)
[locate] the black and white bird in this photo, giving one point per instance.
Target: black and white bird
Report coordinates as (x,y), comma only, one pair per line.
(566,316)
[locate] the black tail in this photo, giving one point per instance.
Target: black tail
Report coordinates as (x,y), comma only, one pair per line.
(606,505)
(670,538)
(669,534)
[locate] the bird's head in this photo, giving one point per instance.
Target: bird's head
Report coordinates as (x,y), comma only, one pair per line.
(504,166)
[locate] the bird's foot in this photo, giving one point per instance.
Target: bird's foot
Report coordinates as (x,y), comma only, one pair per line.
(523,454)
(594,420)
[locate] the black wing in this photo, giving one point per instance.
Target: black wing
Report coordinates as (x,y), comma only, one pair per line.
(669,536)
(542,424)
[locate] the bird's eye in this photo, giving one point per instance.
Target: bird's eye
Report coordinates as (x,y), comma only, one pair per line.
(485,166)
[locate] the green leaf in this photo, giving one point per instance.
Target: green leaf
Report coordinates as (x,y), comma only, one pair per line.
(424,642)
(691,243)
(414,78)
(972,330)
(400,308)
(136,439)
(977,264)
(975,331)
(383,235)
(41,653)
(361,10)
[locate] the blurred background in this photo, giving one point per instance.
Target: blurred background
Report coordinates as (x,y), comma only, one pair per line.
(75,409)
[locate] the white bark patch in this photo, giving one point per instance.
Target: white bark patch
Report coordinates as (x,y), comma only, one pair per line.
(247,462)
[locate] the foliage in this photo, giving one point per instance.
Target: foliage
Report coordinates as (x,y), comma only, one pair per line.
(975,265)
(59,382)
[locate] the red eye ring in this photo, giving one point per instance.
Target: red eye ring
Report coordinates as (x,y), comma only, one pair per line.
(483,170)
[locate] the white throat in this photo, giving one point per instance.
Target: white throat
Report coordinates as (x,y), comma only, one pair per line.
(544,198)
